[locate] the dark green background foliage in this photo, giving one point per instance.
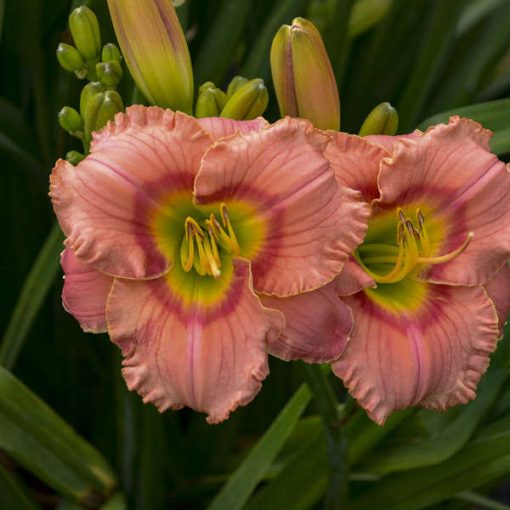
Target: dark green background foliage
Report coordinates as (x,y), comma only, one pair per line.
(425,57)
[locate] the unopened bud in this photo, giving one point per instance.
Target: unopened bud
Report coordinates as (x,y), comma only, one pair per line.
(109,73)
(247,102)
(99,109)
(235,83)
(85,31)
(210,101)
(74,157)
(89,91)
(110,52)
(155,51)
(71,60)
(70,121)
(303,77)
(382,120)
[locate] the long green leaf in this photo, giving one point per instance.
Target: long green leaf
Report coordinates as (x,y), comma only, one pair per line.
(449,441)
(257,63)
(437,37)
(216,51)
(39,440)
(483,460)
(11,494)
(35,288)
(241,484)
(493,115)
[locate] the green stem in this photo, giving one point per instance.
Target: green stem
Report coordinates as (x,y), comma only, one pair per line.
(327,406)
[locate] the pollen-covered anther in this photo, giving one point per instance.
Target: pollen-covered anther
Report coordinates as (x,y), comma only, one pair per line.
(199,250)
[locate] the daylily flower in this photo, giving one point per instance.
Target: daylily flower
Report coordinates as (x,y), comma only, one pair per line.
(429,288)
(176,226)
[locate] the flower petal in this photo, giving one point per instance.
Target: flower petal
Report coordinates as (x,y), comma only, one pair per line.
(432,357)
(85,293)
(210,358)
(310,225)
(356,163)
(389,142)
(450,173)
(318,325)
(219,127)
(498,290)
(352,279)
(105,204)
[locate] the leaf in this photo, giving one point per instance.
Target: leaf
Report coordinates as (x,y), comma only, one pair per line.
(40,441)
(11,494)
(439,448)
(367,13)
(436,38)
(32,295)
(247,476)
(492,115)
(216,51)
(257,63)
(485,459)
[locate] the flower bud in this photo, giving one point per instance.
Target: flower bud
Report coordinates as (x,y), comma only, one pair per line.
(303,77)
(210,101)
(382,120)
(98,110)
(247,102)
(109,73)
(71,60)
(74,157)
(85,31)
(235,83)
(90,90)
(70,121)
(155,51)
(110,52)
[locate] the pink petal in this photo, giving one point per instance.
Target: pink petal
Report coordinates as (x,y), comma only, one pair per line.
(106,203)
(318,325)
(389,142)
(356,163)
(352,279)
(498,290)
(310,224)
(218,127)
(85,293)
(450,171)
(212,359)
(433,357)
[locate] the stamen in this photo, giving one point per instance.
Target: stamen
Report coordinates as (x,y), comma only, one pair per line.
(226,223)
(441,259)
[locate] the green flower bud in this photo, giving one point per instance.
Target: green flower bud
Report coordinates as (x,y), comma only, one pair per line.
(155,50)
(247,102)
(303,77)
(90,90)
(109,73)
(110,52)
(85,31)
(98,110)
(382,120)
(70,121)
(235,83)
(210,101)
(74,157)
(71,60)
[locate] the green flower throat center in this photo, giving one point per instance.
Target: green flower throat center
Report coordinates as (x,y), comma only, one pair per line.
(413,248)
(201,243)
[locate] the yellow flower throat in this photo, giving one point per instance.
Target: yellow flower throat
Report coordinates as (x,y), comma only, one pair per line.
(413,249)
(200,244)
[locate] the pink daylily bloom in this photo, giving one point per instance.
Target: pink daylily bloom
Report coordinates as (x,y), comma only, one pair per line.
(182,228)
(429,286)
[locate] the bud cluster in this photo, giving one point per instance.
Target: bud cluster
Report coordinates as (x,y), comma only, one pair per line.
(243,100)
